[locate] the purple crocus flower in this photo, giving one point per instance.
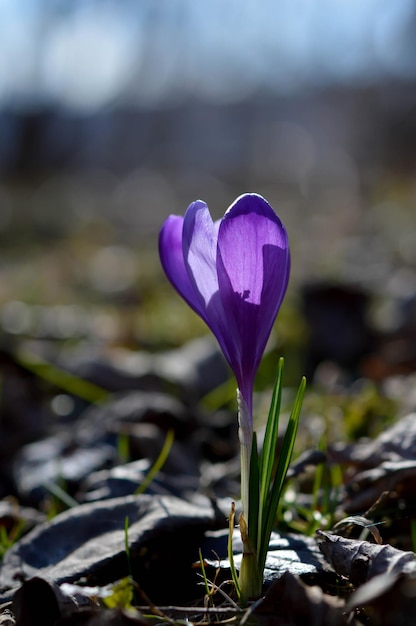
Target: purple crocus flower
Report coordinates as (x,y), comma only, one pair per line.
(234,273)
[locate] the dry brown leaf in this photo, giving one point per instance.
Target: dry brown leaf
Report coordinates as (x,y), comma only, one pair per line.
(357,520)
(290,602)
(360,561)
(395,444)
(388,600)
(39,600)
(7,618)
(384,464)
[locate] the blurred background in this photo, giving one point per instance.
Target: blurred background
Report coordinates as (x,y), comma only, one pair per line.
(114,114)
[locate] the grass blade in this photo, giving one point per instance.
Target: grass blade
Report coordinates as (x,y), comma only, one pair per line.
(62,379)
(234,574)
(254,493)
(158,464)
(127,544)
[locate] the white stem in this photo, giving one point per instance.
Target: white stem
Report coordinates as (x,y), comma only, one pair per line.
(245,434)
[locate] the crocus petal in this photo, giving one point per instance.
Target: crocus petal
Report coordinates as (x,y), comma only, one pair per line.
(187,248)
(248,226)
(173,263)
(253,271)
(199,242)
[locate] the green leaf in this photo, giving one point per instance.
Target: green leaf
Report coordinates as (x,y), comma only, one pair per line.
(251,578)
(121,595)
(267,458)
(282,467)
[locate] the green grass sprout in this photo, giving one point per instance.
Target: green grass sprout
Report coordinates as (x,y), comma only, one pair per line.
(159,462)
(61,495)
(60,378)
(9,537)
(127,545)
(204,575)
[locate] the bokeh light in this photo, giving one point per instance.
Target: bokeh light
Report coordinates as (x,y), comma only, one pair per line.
(115,114)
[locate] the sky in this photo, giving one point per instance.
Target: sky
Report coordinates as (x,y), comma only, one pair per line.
(89,54)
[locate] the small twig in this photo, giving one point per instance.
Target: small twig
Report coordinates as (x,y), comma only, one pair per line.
(187,610)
